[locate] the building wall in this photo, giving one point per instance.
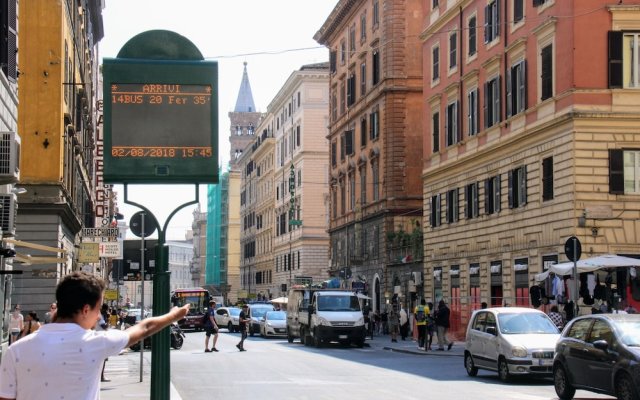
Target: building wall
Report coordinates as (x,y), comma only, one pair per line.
(393,103)
(573,130)
(233,237)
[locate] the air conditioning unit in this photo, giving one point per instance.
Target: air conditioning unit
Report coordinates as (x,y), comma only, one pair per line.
(9,157)
(8,212)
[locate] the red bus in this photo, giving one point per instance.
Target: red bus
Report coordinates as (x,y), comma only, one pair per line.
(199,300)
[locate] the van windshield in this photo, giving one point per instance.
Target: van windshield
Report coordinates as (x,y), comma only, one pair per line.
(338,303)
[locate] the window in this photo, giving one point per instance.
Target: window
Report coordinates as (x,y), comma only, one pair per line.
(352,40)
(436,131)
(343,107)
(375,17)
(343,52)
(363,131)
(376,67)
(434,4)
(363,78)
(471,196)
(546,76)
(343,197)
(375,175)
(435,64)
(435,211)
(363,27)
(516,88)
(471,27)
(472,112)
(352,191)
(347,143)
(334,105)
(374,127)
(492,102)
(452,205)
(518,187)
(363,185)
(624,61)
(9,42)
(547,178)
(624,171)
(453,50)
(492,195)
(334,152)
(537,3)
(451,124)
(492,21)
(518,10)
(351,88)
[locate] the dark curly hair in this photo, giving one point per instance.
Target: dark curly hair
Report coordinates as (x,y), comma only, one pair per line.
(77,290)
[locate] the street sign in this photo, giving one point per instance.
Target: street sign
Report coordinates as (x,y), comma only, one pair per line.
(110,249)
(569,248)
(136,224)
(88,253)
(295,222)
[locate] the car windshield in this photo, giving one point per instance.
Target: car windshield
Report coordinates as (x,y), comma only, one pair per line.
(338,303)
(276,315)
(524,323)
(259,311)
(234,312)
(629,332)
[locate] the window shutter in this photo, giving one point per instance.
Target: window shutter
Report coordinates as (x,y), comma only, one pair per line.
(616,172)
(498,189)
(9,39)
(432,217)
(476,200)
(447,116)
(497,19)
(523,185)
(615,59)
(436,131)
(523,83)
(332,61)
(546,73)
(486,24)
(547,178)
(467,197)
(458,122)
(508,89)
(510,184)
(497,97)
(485,104)
(487,196)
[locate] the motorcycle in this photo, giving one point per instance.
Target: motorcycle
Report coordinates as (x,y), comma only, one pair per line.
(176,337)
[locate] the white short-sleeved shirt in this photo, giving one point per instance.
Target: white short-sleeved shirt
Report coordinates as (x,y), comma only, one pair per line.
(58,361)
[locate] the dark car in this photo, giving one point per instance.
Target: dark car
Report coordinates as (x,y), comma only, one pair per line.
(599,353)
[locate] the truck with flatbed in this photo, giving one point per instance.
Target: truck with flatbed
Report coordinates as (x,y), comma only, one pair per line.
(320,316)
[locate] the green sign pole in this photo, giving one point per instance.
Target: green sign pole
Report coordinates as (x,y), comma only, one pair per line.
(160,343)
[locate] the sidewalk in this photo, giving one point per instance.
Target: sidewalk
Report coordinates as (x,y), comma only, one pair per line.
(124,371)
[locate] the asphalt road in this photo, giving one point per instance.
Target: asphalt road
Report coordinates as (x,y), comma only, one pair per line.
(275,369)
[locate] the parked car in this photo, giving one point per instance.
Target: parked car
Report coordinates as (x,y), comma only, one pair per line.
(256,311)
(228,317)
(599,353)
(273,323)
(511,341)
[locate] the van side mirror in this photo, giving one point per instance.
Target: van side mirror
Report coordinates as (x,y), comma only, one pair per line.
(491,330)
(310,309)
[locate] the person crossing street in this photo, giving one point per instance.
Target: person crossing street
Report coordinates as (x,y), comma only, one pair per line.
(245,320)
(211,328)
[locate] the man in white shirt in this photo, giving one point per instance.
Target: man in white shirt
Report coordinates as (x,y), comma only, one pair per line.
(64,359)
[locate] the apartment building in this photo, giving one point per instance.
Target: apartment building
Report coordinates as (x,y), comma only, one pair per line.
(375,138)
(284,188)
(530,137)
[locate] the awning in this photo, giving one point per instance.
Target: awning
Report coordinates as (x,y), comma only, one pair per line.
(28,259)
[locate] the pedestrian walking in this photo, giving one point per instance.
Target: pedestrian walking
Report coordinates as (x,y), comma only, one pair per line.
(62,360)
(420,315)
(442,325)
(16,324)
(394,322)
(211,328)
(556,317)
(431,326)
(244,321)
(50,315)
(404,323)
(31,324)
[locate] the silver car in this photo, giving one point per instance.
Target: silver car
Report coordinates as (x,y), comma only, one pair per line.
(228,317)
(511,341)
(273,323)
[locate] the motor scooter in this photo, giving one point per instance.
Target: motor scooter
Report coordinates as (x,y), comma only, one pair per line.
(176,336)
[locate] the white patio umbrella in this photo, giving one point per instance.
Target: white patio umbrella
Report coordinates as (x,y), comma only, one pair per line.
(590,264)
(280,300)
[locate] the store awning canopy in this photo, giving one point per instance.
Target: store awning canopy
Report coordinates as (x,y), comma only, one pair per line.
(589,265)
(28,259)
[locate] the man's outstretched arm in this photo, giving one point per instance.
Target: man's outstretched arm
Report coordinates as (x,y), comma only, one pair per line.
(152,325)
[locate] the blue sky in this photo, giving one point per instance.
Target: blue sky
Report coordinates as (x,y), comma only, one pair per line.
(274,37)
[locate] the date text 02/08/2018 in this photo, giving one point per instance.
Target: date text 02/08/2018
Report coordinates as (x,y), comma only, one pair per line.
(162,152)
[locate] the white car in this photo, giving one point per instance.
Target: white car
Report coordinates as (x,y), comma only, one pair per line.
(273,323)
(511,341)
(228,317)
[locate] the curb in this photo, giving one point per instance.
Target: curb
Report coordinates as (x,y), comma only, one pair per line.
(423,353)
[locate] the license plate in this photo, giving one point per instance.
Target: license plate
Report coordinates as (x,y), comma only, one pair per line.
(545,362)
(343,337)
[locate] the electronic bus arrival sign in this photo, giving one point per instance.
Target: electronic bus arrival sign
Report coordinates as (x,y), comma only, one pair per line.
(161,112)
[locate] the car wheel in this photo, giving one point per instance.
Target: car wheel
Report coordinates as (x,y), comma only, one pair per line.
(469,365)
(625,390)
(251,333)
(317,341)
(230,326)
(289,337)
(564,389)
(177,342)
(503,370)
